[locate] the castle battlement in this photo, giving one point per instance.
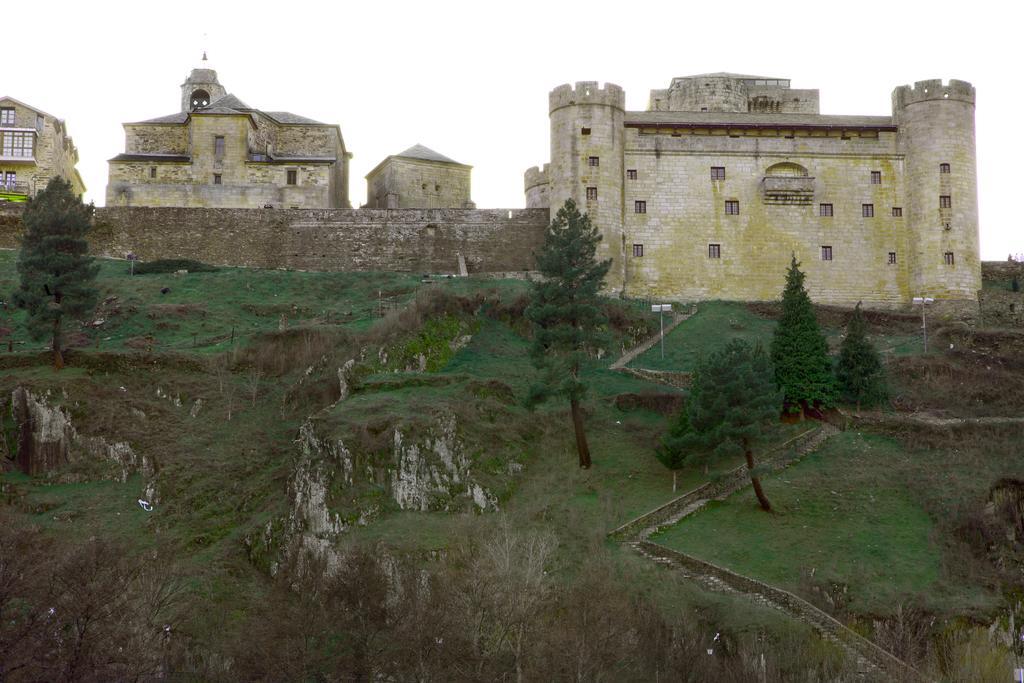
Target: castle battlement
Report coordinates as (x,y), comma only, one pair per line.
(587,92)
(933,89)
(535,176)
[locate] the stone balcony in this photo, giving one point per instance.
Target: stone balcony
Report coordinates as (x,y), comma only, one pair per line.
(777,189)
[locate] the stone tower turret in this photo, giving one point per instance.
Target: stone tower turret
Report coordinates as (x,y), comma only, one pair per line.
(936,136)
(587,137)
(201,88)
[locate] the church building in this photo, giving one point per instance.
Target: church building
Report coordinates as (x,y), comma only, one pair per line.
(219,152)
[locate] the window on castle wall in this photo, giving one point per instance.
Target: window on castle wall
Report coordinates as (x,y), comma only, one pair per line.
(944,168)
(718,172)
(897,212)
(826,253)
(945,201)
(876,177)
(892,257)
(218,146)
(824,209)
(437,188)
(638,250)
(631,174)
(714,251)
(948,256)
(732,207)
(584,131)
(593,161)
(292,177)
(591,194)
(152,171)
(216,179)
(867,210)
(640,206)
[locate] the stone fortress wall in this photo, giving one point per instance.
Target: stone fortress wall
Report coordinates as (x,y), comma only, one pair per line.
(408,240)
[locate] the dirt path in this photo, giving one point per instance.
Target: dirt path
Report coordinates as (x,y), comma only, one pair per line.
(636,534)
(630,355)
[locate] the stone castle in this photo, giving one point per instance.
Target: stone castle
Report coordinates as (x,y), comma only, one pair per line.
(706,194)
(709,192)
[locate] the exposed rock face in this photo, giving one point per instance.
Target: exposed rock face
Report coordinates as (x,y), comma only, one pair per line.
(47,440)
(344,379)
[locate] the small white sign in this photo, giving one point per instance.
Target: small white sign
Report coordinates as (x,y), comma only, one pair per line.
(661,308)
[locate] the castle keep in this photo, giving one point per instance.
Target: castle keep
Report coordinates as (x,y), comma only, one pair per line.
(707,193)
(419,178)
(218,152)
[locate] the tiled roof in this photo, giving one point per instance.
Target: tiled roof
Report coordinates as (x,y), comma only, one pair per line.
(420,152)
(177,117)
(290,118)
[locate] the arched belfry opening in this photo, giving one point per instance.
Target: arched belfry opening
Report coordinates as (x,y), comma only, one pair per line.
(199,98)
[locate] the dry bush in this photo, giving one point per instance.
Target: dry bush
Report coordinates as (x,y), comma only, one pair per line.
(295,349)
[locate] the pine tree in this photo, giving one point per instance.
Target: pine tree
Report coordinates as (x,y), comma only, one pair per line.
(799,351)
(673,452)
(860,373)
(56,272)
(733,400)
(566,312)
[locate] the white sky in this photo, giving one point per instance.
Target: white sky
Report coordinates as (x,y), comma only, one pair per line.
(471,79)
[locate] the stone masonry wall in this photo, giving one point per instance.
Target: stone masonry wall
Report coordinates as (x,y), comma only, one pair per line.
(496,240)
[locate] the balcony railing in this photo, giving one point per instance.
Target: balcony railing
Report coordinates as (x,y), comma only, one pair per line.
(15,190)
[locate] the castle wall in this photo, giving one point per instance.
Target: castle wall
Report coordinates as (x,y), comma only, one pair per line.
(685,213)
(498,240)
(142,138)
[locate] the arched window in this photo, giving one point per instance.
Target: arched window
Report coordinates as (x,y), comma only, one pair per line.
(786,169)
(200,98)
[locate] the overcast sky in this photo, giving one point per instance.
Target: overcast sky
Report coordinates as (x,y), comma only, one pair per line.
(470,80)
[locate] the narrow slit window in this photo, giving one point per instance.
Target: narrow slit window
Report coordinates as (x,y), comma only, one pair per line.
(152,171)
(218,146)
(892,257)
(640,206)
(638,250)
(826,253)
(732,207)
(867,210)
(714,251)
(718,172)
(825,210)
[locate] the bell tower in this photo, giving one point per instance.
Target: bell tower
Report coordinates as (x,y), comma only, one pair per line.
(201,88)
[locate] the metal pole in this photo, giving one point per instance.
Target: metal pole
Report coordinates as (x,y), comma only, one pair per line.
(924,326)
(662,317)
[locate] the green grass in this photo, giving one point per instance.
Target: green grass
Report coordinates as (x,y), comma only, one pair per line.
(853,514)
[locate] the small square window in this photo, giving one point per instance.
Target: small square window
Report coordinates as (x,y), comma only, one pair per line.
(593,161)
(897,212)
(714,251)
(638,250)
(943,168)
(732,207)
(876,177)
(892,257)
(824,209)
(826,253)
(216,179)
(584,131)
(949,258)
(631,174)
(152,171)
(7,116)
(945,201)
(591,193)
(640,206)
(718,172)
(292,177)
(437,188)
(867,210)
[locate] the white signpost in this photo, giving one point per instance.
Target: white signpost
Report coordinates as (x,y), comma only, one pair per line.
(662,309)
(923,302)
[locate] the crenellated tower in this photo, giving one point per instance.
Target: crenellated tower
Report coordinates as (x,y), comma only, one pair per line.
(587,147)
(936,137)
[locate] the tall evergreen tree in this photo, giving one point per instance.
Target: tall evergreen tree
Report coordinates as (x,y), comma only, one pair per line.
(674,451)
(799,351)
(57,275)
(733,400)
(566,312)
(860,373)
